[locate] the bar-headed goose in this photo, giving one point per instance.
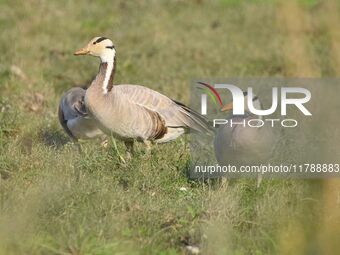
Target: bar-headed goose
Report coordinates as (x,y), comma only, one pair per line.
(73,117)
(133,112)
(242,144)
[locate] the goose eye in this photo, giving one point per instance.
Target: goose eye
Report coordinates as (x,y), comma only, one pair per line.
(94,43)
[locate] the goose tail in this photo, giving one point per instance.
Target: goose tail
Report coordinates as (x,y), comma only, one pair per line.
(194,120)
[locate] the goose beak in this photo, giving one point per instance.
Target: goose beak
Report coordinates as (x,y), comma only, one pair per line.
(227,107)
(83,51)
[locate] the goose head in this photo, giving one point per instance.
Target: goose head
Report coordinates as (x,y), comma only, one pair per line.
(255,101)
(101,47)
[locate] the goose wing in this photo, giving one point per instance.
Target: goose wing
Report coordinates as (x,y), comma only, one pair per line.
(70,108)
(71,103)
(63,122)
(173,113)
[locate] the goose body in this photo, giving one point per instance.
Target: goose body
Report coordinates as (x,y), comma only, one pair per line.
(143,114)
(72,116)
(243,145)
(134,112)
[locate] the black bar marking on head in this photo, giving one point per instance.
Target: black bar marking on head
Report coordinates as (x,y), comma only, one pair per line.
(99,40)
(245,93)
(110,47)
(255,98)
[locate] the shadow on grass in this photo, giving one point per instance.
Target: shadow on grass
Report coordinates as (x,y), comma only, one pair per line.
(53,138)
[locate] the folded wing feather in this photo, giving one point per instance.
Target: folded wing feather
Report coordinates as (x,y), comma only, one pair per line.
(174,114)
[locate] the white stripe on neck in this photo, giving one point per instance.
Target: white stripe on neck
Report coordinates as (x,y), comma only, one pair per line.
(108,58)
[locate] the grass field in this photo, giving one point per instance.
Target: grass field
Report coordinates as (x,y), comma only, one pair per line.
(55,201)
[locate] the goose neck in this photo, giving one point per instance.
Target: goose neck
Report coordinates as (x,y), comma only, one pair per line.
(106,73)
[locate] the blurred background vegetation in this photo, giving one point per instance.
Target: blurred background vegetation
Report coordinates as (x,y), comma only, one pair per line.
(55,201)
